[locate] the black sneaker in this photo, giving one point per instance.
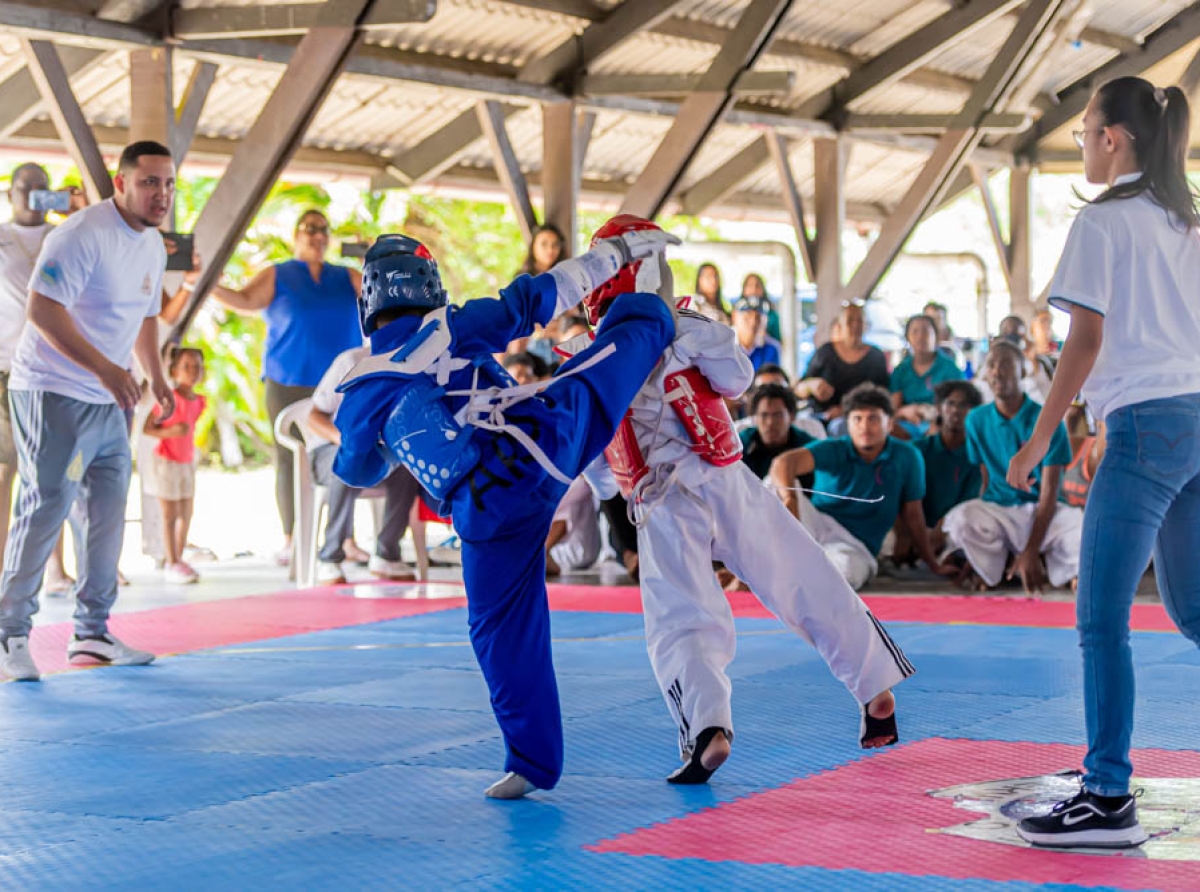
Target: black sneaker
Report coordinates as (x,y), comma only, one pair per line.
(1085,821)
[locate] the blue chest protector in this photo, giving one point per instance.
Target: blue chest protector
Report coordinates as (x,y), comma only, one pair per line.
(421,431)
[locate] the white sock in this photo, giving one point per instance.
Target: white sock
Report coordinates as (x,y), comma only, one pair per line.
(511,786)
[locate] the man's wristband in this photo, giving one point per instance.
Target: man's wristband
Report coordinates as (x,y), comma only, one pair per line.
(187,286)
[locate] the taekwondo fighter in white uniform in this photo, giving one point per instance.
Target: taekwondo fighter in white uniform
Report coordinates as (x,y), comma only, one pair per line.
(676,456)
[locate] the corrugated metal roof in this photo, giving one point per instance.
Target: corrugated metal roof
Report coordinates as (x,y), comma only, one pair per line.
(819,41)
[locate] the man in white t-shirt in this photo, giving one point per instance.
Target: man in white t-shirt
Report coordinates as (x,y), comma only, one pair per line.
(20,243)
(400,486)
(94,296)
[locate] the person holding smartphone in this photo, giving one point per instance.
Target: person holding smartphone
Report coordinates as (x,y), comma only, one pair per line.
(311,310)
(20,243)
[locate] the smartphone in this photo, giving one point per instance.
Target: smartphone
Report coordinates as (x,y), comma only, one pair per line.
(47,200)
(180,260)
(355,249)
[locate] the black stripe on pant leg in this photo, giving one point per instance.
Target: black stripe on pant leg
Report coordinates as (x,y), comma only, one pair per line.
(898,655)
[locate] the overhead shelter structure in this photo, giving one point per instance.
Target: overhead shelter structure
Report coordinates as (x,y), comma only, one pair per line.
(815,111)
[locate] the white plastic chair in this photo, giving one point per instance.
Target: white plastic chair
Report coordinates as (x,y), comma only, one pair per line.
(312,499)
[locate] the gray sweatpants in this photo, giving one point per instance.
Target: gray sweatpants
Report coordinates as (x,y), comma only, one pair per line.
(66,448)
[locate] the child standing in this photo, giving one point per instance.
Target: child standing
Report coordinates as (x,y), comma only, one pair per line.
(174,465)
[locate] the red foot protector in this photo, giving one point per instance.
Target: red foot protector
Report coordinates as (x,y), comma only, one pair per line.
(943,808)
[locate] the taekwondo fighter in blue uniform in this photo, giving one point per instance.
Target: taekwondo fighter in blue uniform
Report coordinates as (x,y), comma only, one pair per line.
(496,455)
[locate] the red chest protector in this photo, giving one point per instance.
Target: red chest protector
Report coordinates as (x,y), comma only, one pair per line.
(704,416)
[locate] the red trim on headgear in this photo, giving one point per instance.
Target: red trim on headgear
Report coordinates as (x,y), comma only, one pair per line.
(423,252)
(625,281)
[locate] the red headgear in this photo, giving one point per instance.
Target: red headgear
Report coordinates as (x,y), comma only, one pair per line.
(625,281)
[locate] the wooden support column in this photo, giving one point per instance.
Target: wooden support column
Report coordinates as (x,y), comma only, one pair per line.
(1003,252)
(274,136)
(1019,259)
(560,184)
(151,96)
(829,171)
(54,84)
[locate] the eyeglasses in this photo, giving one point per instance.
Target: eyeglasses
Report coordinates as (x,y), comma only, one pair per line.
(1081,135)
(313,229)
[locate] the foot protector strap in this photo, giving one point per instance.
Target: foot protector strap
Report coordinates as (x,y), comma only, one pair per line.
(693,770)
(872,728)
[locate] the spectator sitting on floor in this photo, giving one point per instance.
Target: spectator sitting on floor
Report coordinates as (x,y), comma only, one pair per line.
(1043,347)
(1007,522)
(574,539)
(864,482)
(400,486)
(772,408)
(1087,450)
(951,478)
(750,325)
(841,365)
(915,378)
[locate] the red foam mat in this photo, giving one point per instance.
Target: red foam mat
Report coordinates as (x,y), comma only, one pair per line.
(876,815)
(978,610)
(188,627)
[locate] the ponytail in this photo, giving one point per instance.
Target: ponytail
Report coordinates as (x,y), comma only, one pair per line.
(1159,122)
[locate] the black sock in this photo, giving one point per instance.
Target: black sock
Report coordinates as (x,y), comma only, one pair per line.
(1111,802)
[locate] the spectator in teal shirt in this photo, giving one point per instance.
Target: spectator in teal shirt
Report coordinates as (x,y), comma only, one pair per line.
(864,482)
(1007,522)
(951,478)
(916,377)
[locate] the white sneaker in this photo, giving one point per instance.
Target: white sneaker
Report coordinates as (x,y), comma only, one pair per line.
(108,649)
(182,574)
(329,573)
(16,661)
(379,566)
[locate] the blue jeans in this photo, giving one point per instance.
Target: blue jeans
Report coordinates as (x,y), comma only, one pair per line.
(1144,501)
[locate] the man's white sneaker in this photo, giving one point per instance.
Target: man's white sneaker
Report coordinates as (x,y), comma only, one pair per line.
(16,661)
(329,573)
(107,649)
(379,566)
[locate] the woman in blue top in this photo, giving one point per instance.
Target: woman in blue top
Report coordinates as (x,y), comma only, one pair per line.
(1129,276)
(917,376)
(311,311)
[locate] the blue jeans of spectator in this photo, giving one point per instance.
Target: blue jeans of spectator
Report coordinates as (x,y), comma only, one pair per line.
(1144,501)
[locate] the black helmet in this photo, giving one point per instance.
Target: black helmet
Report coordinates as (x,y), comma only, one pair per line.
(398,272)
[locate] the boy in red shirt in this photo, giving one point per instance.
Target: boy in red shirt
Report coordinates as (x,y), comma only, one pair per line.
(174,466)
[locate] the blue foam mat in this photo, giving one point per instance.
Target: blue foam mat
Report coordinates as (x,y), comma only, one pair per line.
(356,758)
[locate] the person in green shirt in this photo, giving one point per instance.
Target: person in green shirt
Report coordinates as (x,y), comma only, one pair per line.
(916,377)
(864,482)
(1006,522)
(951,478)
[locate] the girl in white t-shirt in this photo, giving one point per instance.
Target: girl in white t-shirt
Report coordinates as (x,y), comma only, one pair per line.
(1130,278)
